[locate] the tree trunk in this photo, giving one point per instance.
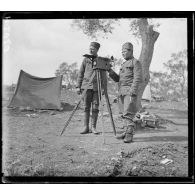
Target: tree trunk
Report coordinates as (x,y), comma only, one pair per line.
(148,37)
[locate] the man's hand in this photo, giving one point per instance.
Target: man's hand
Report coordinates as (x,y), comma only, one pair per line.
(78,90)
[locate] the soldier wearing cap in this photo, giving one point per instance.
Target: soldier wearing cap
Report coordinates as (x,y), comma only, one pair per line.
(91,97)
(129,78)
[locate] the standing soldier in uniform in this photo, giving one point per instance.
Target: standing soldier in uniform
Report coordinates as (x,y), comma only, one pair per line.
(129,78)
(91,97)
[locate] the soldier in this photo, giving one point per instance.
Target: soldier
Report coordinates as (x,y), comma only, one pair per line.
(129,78)
(91,98)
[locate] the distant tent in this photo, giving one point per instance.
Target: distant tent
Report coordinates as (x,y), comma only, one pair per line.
(38,93)
(147,93)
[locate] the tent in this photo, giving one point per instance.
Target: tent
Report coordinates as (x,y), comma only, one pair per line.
(38,93)
(147,93)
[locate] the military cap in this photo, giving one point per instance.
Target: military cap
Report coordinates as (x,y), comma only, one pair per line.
(95,44)
(127,45)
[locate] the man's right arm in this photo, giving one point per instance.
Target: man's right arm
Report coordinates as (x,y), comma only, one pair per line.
(113,75)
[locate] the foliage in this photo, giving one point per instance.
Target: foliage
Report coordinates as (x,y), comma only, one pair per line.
(103,27)
(172,84)
(9,88)
(69,72)
(95,27)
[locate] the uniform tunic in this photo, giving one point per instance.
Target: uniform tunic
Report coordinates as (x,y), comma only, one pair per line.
(85,73)
(129,79)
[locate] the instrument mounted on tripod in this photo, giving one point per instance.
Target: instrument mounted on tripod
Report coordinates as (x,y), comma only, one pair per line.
(101,63)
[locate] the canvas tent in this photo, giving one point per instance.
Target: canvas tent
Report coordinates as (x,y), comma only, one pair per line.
(147,93)
(38,93)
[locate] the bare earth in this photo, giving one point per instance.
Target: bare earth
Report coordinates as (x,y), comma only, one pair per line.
(32,145)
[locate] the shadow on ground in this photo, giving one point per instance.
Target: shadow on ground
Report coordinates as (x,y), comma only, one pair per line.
(162,139)
(67,106)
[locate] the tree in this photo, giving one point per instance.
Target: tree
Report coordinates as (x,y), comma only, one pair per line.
(177,70)
(160,84)
(141,29)
(172,84)
(69,72)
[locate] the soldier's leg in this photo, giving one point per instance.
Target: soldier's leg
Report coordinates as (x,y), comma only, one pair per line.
(95,111)
(129,114)
(121,110)
(121,104)
(87,105)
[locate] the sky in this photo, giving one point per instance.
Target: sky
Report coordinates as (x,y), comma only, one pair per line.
(39,46)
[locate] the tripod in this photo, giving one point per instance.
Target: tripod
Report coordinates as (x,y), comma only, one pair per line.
(99,65)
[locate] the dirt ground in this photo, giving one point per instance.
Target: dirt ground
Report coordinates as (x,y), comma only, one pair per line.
(32,145)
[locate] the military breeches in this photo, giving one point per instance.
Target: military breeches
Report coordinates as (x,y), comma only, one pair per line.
(91,99)
(128,108)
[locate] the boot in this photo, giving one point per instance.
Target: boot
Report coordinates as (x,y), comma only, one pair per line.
(122,135)
(94,122)
(86,123)
(128,138)
(129,134)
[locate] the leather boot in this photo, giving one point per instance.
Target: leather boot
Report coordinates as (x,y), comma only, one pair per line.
(128,138)
(122,135)
(129,134)
(94,122)
(86,123)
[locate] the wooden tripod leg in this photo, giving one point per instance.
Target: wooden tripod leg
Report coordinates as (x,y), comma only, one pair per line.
(100,100)
(110,111)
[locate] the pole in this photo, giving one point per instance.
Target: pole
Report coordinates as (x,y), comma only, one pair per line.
(100,100)
(110,111)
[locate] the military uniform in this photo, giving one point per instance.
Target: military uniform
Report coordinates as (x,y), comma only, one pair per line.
(129,78)
(85,73)
(91,98)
